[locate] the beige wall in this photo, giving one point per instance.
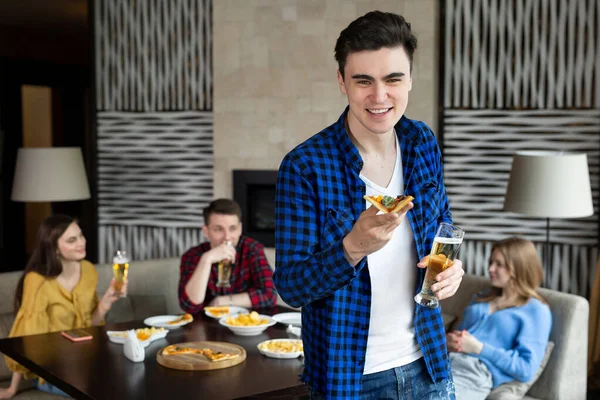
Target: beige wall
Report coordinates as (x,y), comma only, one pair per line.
(36,108)
(275,75)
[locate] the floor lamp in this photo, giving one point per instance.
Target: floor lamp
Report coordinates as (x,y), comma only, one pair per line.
(547,184)
(49,174)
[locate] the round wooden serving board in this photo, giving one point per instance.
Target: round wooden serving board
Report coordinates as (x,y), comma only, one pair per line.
(197,362)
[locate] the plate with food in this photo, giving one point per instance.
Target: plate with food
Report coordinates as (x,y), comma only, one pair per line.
(218,312)
(145,335)
(169,321)
(202,355)
(281,348)
(247,324)
(289,318)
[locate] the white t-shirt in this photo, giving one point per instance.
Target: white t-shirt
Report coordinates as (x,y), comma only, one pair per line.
(393,272)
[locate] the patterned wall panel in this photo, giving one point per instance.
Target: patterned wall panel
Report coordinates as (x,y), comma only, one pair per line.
(154,115)
(520,75)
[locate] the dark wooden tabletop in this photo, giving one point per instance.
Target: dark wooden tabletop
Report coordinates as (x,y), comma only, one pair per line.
(97,369)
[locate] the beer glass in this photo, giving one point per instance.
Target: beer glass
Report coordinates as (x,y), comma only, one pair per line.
(446,243)
(120,270)
(224,268)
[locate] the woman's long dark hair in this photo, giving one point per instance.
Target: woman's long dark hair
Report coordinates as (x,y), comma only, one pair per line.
(44,259)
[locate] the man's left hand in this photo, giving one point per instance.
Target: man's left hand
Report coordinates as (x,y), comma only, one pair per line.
(448,280)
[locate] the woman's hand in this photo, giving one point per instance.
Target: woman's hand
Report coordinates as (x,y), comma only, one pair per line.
(453,341)
(463,342)
(448,280)
(111,295)
(7,393)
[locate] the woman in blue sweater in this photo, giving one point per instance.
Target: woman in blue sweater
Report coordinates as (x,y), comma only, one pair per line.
(504,331)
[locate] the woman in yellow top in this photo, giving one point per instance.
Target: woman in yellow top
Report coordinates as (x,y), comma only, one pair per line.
(57,292)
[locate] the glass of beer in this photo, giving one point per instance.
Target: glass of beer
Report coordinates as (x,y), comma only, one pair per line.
(446,243)
(120,270)
(224,268)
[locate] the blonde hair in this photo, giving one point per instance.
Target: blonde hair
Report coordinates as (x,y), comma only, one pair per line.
(524,266)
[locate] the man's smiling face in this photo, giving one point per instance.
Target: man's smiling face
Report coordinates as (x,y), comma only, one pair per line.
(377,85)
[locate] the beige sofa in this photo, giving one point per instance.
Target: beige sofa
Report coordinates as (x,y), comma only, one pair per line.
(153,291)
(565,375)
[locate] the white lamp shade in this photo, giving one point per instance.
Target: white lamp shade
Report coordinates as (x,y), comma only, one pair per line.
(549,185)
(50,174)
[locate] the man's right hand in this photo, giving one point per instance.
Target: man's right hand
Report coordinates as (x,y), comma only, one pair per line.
(371,232)
(220,253)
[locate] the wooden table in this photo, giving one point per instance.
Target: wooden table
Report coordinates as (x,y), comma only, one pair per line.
(97,369)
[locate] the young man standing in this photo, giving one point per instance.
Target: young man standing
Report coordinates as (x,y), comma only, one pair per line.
(354,271)
(251,281)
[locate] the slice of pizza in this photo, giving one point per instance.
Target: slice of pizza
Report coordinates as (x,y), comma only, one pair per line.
(184,318)
(215,356)
(175,350)
(389,204)
(217,311)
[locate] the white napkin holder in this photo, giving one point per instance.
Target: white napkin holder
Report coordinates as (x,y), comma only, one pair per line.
(132,348)
(294,330)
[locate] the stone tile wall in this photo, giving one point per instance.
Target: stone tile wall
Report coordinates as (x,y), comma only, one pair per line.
(275,76)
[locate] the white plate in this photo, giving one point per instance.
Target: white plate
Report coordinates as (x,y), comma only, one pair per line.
(274,354)
(119,337)
(232,311)
(162,321)
(249,330)
(289,318)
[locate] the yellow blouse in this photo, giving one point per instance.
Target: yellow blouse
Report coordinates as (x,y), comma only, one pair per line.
(48,307)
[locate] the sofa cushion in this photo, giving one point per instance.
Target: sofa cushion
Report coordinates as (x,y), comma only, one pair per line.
(448,320)
(516,390)
(134,307)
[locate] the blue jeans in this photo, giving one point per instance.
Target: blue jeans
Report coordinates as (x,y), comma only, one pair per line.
(408,382)
(48,388)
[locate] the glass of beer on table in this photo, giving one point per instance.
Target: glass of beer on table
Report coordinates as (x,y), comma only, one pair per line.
(120,270)
(224,268)
(446,243)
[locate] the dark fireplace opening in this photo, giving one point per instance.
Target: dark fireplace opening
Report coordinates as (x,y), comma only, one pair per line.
(254,191)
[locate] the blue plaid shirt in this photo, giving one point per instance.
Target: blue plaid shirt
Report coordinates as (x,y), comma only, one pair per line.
(319,198)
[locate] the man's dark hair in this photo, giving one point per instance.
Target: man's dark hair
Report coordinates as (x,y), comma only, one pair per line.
(373,31)
(222,206)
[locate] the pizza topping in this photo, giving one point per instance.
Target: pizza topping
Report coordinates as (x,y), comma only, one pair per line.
(389,204)
(390,201)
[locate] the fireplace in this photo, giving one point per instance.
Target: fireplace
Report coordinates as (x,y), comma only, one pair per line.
(254,191)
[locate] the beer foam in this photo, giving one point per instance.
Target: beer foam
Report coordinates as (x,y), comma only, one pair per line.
(120,259)
(444,240)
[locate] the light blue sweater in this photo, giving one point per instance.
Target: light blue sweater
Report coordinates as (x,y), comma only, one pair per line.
(514,339)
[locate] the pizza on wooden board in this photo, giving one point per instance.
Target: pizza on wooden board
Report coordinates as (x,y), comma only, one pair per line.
(389,204)
(208,353)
